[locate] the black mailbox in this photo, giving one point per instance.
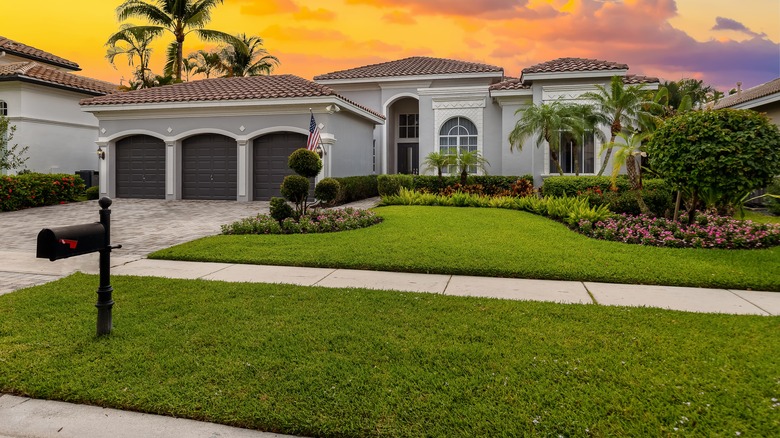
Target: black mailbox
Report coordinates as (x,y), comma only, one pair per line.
(64,242)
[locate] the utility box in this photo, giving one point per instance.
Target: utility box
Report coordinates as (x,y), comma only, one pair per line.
(64,242)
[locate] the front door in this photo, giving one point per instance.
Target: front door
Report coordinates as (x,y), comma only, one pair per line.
(409,158)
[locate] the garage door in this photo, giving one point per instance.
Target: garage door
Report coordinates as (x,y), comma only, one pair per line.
(209,167)
(270,162)
(140,167)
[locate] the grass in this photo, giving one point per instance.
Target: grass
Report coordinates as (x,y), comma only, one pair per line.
(490,242)
(359,363)
(759,217)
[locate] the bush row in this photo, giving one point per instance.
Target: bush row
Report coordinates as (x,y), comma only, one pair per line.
(355,188)
(38,189)
(598,189)
(490,184)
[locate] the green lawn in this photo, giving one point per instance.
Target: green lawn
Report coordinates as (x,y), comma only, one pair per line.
(360,363)
(760,217)
(491,242)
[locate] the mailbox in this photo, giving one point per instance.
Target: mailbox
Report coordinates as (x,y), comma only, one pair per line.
(64,242)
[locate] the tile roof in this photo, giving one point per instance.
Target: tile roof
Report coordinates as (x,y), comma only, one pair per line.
(756,92)
(414,66)
(225,89)
(639,79)
(574,64)
(25,51)
(511,84)
(39,73)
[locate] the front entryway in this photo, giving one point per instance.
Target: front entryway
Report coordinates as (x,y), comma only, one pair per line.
(409,158)
(209,167)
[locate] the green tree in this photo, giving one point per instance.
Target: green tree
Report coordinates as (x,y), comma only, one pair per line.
(587,121)
(180,18)
(621,106)
(626,153)
(11,157)
(544,123)
(248,58)
(716,155)
(133,42)
(438,161)
(204,62)
(469,162)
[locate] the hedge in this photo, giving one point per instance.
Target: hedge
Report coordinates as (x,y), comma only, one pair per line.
(38,189)
(656,193)
(355,188)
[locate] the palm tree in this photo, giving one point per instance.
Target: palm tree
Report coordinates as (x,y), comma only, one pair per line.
(133,42)
(179,17)
(544,122)
(438,161)
(621,107)
(247,59)
(204,62)
(626,153)
(588,123)
(470,160)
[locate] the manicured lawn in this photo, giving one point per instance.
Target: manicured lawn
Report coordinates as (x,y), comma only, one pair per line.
(760,217)
(491,242)
(357,363)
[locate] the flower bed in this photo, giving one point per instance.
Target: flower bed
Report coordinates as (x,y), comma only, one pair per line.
(321,221)
(707,231)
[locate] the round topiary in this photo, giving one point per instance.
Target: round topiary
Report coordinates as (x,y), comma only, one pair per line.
(327,190)
(280,209)
(93,192)
(295,188)
(305,163)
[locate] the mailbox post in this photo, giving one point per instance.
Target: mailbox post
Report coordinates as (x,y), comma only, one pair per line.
(64,242)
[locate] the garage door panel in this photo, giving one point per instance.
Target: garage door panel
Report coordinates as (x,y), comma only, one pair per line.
(270,162)
(210,167)
(140,167)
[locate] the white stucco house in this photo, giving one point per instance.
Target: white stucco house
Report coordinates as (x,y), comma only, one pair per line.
(764,98)
(40,94)
(229,138)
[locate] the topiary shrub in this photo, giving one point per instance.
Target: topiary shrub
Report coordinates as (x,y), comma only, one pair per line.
(92,192)
(280,209)
(305,163)
(327,190)
(389,185)
(295,188)
(720,155)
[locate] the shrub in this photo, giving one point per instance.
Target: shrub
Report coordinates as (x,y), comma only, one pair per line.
(280,209)
(355,188)
(773,204)
(93,192)
(37,189)
(719,155)
(432,184)
(574,185)
(323,221)
(305,163)
(295,188)
(327,190)
(391,184)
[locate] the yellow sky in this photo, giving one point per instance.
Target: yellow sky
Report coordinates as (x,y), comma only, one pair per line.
(666,38)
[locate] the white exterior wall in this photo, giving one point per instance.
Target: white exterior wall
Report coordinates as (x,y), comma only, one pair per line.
(61,138)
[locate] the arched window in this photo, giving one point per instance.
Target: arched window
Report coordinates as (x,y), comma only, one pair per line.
(456,136)
(3,108)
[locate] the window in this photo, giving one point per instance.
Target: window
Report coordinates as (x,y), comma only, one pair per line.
(3,108)
(458,135)
(408,126)
(575,154)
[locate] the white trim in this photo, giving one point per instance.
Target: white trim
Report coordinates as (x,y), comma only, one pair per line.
(261,132)
(129,132)
(385,148)
(438,91)
(17,119)
(506,94)
(409,84)
(199,131)
(499,74)
(757,101)
(574,74)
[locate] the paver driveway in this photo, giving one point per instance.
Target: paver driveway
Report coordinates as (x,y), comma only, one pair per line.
(141,226)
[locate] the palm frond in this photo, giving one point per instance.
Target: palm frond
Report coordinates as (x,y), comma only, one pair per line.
(141,9)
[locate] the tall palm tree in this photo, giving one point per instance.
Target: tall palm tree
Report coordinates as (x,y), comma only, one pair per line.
(133,42)
(621,106)
(249,58)
(627,151)
(544,123)
(180,18)
(588,122)
(466,161)
(204,62)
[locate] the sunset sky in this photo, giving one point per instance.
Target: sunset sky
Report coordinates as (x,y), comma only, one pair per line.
(719,41)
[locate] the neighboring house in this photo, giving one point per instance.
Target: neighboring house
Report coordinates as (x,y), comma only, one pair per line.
(176,135)
(40,96)
(764,98)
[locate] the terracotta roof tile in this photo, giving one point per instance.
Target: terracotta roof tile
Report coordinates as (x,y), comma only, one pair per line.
(47,75)
(25,51)
(574,64)
(414,66)
(756,92)
(639,79)
(511,84)
(225,89)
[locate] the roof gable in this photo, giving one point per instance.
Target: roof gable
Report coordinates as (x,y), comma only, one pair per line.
(562,65)
(29,52)
(757,92)
(414,66)
(44,75)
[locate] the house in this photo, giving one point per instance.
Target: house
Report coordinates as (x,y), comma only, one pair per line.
(228,138)
(764,98)
(40,94)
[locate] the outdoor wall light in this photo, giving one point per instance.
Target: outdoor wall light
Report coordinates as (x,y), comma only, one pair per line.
(320,151)
(101,153)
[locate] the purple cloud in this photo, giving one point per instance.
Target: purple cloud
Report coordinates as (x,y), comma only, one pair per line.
(722,23)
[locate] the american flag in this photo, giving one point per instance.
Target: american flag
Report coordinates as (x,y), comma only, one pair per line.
(314,135)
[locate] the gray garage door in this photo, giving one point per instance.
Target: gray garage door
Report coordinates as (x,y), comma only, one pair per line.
(270,162)
(209,167)
(140,167)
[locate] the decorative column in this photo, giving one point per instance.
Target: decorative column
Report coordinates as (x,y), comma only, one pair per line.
(170,170)
(328,141)
(106,189)
(243,170)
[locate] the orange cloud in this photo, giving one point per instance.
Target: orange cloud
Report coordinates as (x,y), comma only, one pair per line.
(319,14)
(398,17)
(267,7)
